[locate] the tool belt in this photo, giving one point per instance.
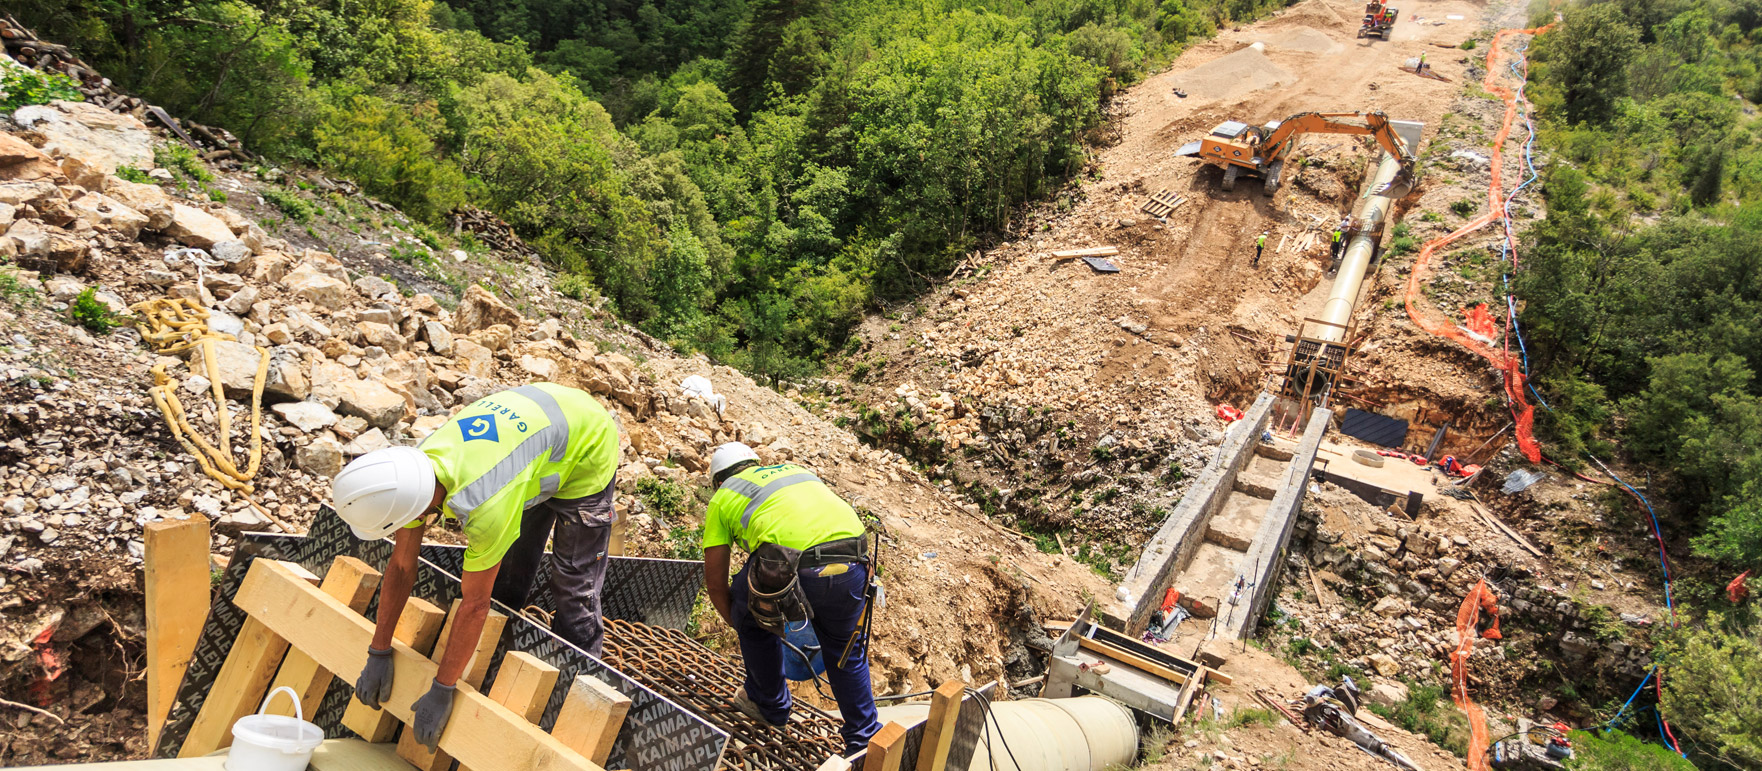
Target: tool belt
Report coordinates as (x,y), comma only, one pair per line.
(773,579)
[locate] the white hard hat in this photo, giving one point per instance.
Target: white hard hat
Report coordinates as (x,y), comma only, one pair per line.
(383,490)
(729,454)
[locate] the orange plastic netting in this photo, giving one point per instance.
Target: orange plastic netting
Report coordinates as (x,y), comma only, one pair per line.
(1523,413)
(1480,599)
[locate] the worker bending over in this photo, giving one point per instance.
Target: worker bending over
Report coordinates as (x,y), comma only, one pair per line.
(516,469)
(807,563)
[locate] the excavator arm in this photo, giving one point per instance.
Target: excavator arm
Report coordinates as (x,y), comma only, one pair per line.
(1373,124)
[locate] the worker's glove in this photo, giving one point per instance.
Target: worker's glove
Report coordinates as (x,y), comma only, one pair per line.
(375,684)
(432,711)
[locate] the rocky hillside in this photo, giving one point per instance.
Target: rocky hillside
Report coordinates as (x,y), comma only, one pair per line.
(102,217)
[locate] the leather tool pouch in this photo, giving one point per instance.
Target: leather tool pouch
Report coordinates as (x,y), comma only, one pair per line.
(774,593)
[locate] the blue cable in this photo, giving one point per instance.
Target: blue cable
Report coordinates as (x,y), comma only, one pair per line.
(1630,700)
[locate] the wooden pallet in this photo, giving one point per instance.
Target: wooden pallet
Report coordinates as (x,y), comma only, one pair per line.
(1162,203)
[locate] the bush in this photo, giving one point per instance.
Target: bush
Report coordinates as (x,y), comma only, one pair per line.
(1617,751)
(1464,207)
(1467,45)
(669,500)
(90,312)
(181,159)
(291,204)
(132,174)
(1713,696)
(20,87)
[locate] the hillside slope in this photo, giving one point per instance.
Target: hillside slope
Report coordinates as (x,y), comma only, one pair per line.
(358,362)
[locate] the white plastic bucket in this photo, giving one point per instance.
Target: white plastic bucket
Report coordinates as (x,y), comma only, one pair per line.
(263,742)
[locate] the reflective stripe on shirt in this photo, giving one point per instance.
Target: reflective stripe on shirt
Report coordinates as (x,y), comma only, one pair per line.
(554,438)
(757,494)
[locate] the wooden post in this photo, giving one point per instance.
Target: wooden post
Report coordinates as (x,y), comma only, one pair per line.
(417,627)
(591,717)
(178,594)
(243,680)
(945,708)
(482,733)
(886,749)
(352,582)
(416,754)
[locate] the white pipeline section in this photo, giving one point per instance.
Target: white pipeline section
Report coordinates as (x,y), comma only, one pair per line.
(1373,213)
(1087,733)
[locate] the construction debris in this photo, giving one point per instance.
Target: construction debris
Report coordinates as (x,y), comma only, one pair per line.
(1097,251)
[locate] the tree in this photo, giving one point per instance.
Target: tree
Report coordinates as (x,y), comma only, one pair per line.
(1587,59)
(385,148)
(1715,693)
(1617,751)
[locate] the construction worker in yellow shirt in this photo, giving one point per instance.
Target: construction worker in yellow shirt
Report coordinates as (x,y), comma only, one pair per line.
(516,469)
(808,563)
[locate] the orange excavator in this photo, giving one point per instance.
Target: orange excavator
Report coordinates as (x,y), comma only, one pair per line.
(1261,151)
(1379,20)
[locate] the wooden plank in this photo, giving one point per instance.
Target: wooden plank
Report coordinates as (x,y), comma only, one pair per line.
(886,749)
(945,708)
(475,669)
(351,581)
(1506,529)
(417,627)
(524,685)
(591,717)
(1137,662)
(178,589)
(1099,251)
(243,680)
(1214,676)
(1185,699)
(482,733)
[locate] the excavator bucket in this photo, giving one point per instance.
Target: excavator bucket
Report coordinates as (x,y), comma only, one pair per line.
(1398,186)
(1189,149)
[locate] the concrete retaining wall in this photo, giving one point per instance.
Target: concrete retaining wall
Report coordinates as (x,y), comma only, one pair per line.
(1266,556)
(1180,535)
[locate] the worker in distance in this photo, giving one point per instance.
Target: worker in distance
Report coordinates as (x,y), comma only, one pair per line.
(516,469)
(808,562)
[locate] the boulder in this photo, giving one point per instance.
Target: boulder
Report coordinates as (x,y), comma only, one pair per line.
(480,310)
(549,329)
(99,210)
(223,285)
(149,200)
(286,379)
(540,367)
(372,439)
(327,378)
(83,174)
(84,130)
(234,256)
(1385,664)
(381,335)
(236,363)
(46,248)
(20,162)
(350,427)
(374,287)
(426,425)
(322,457)
(306,416)
(474,359)
(321,289)
(1387,694)
(270,267)
(21,193)
(277,333)
(241,301)
(372,401)
(1389,607)
(194,227)
(440,339)
(496,337)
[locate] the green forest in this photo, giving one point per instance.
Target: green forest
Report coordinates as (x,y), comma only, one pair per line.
(739,178)
(1642,315)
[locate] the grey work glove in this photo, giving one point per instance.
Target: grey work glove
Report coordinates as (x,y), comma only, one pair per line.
(375,684)
(432,712)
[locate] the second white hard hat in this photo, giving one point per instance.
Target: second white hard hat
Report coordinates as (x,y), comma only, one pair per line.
(729,454)
(383,490)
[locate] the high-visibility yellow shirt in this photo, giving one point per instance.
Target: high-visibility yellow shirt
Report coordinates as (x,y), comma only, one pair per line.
(510,451)
(783,504)
(1261,241)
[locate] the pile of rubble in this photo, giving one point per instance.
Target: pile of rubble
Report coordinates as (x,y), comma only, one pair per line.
(1380,592)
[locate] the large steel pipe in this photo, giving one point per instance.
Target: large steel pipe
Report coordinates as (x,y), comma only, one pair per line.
(1087,733)
(1372,215)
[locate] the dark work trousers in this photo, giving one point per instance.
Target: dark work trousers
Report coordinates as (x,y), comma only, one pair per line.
(1257,250)
(579,531)
(838,606)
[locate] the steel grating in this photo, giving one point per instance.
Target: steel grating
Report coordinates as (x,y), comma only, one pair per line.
(676,666)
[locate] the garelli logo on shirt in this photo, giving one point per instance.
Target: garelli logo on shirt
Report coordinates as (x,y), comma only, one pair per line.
(479,427)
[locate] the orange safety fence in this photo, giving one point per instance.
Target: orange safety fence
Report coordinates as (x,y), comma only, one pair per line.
(1480,599)
(1524,414)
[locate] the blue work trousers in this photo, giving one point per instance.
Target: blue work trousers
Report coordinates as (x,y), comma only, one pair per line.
(837,601)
